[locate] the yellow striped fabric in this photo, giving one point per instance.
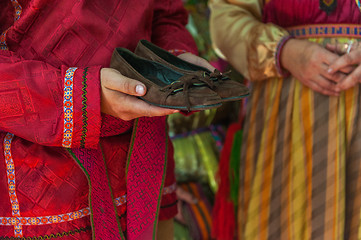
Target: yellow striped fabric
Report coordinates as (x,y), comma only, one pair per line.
(300,163)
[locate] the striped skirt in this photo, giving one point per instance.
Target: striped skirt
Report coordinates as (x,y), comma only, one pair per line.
(300,164)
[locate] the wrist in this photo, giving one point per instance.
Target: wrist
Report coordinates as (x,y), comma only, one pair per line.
(281,55)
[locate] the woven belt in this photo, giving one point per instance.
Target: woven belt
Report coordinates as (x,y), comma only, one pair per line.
(326,30)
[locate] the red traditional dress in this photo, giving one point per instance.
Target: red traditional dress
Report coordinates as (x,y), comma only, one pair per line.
(63,162)
(300,175)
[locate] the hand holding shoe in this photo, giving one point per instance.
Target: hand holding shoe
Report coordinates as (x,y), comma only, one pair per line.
(189,64)
(191,58)
(119,97)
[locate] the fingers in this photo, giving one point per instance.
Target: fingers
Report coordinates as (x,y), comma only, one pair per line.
(130,107)
(342,48)
(322,85)
(112,79)
(347,60)
(350,80)
(189,57)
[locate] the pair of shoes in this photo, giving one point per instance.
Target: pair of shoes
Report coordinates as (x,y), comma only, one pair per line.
(174,83)
(165,87)
(227,89)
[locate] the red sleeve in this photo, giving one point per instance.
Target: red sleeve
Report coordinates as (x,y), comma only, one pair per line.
(48,105)
(169,30)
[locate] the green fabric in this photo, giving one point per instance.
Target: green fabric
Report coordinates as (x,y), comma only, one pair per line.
(181,232)
(234,166)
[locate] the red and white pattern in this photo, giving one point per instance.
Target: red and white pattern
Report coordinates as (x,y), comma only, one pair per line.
(68,107)
(3,45)
(177,51)
(18,10)
(18,221)
(170,189)
(17,13)
(10,172)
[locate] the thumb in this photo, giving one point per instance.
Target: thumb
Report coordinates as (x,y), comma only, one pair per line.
(112,79)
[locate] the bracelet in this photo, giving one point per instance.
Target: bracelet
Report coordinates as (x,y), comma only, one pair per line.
(283,72)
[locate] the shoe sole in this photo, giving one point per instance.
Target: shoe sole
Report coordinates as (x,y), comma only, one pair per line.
(229,99)
(192,108)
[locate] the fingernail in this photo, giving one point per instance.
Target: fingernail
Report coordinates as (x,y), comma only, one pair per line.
(330,70)
(140,89)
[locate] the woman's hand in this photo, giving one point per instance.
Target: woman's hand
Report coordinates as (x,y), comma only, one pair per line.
(351,59)
(309,62)
(189,57)
(118,97)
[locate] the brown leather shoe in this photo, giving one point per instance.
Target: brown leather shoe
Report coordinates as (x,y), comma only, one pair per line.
(165,87)
(226,88)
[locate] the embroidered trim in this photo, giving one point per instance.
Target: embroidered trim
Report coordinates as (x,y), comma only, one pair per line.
(328,5)
(18,9)
(68,107)
(10,172)
(56,235)
(3,45)
(84,108)
(326,30)
(18,221)
(177,51)
(358,4)
(17,13)
(170,189)
(120,200)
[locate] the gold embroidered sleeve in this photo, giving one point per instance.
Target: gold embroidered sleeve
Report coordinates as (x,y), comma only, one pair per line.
(247,43)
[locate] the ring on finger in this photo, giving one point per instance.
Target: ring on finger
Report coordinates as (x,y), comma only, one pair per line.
(349,46)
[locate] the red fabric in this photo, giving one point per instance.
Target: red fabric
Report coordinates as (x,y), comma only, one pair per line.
(49,37)
(223,217)
(144,180)
(295,12)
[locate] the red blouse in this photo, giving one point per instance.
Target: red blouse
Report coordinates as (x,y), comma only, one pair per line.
(287,13)
(49,40)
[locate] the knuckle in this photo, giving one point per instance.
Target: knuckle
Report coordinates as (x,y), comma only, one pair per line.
(125,85)
(348,59)
(353,79)
(358,54)
(325,92)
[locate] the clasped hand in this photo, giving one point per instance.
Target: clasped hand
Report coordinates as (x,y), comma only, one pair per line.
(322,69)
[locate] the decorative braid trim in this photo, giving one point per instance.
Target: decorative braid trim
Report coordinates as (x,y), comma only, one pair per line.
(325,31)
(18,221)
(68,107)
(18,10)
(50,236)
(3,45)
(84,108)
(177,51)
(10,172)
